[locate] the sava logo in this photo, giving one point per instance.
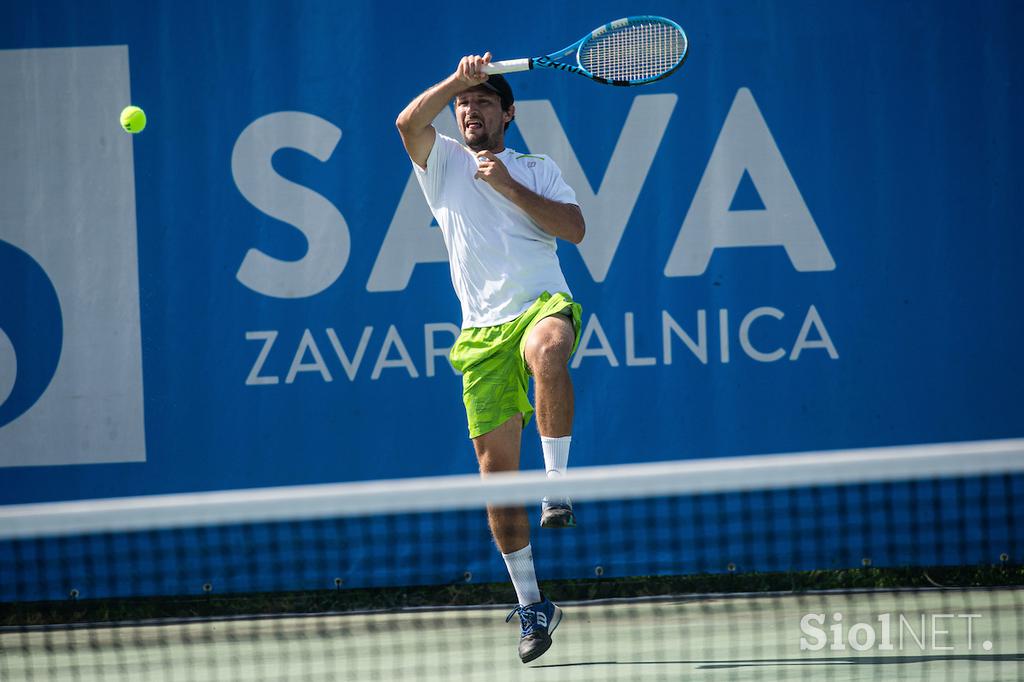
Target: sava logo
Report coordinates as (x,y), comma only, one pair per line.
(745,148)
(70,349)
(744,152)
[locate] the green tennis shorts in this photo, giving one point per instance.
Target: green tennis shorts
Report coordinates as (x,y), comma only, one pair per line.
(495,379)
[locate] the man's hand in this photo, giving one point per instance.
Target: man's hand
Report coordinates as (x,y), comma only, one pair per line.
(564,221)
(491,170)
(470,72)
(415,123)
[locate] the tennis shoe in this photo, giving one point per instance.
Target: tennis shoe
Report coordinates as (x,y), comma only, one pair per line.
(537,622)
(557,513)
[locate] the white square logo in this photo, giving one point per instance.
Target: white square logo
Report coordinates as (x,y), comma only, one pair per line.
(70,341)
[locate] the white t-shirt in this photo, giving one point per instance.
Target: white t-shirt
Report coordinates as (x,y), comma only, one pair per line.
(500,260)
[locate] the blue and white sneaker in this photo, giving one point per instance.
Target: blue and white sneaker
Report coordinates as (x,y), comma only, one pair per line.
(557,513)
(538,621)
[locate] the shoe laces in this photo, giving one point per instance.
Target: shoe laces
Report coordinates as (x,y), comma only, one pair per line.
(527,618)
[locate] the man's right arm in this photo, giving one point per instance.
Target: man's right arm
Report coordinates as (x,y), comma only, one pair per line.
(415,121)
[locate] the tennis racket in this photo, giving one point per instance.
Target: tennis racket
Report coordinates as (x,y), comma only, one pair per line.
(630,51)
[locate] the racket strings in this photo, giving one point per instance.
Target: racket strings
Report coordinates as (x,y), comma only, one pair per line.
(634,52)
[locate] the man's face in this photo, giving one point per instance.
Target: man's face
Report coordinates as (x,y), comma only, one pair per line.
(481,119)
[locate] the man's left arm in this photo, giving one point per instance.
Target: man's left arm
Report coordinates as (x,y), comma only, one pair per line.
(564,221)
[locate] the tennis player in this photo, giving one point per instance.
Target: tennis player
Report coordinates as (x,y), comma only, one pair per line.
(500,213)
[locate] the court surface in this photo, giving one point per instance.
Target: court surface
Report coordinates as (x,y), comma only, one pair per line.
(706,638)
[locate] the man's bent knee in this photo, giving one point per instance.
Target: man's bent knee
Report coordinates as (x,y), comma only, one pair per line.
(548,349)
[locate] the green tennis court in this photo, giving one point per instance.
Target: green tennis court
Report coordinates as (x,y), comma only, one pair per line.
(701,638)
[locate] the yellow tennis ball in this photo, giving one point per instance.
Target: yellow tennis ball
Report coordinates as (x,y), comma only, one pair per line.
(133,119)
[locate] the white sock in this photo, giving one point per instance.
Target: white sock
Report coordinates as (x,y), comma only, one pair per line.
(556,455)
(520,569)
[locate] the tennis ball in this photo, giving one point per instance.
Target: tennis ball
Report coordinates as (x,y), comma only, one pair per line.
(133,119)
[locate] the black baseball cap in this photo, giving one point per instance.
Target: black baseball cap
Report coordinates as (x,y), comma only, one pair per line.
(497,83)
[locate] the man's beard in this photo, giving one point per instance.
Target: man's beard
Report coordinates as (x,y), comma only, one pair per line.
(483,143)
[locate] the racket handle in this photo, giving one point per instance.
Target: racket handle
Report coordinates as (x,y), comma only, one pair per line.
(509,66)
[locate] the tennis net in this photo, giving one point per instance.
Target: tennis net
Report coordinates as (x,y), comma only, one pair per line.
(890,563)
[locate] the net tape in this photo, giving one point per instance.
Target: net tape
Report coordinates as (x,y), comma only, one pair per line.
(636,51)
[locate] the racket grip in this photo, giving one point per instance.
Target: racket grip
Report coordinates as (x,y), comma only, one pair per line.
(509,66)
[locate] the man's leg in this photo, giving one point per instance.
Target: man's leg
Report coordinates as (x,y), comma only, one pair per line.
(498,450)
(547,355)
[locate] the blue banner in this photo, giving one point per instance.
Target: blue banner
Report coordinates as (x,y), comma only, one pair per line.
(805,239)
